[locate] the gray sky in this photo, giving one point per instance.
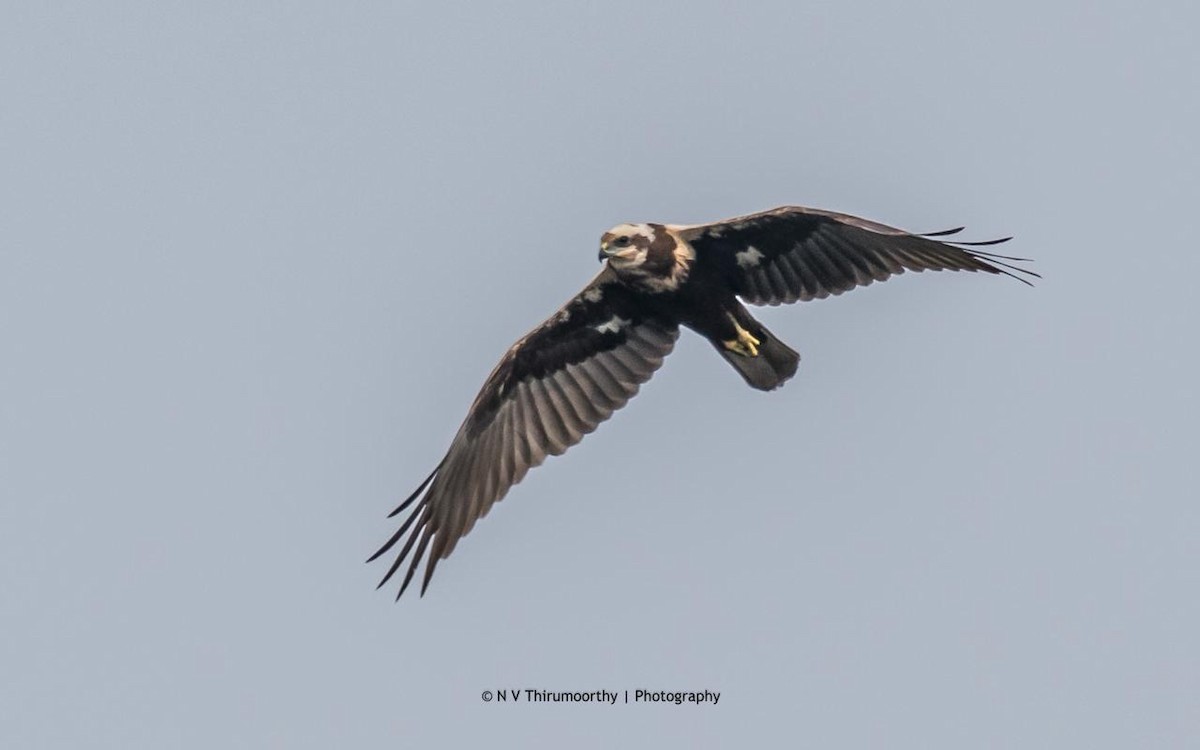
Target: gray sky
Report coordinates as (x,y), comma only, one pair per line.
(256,259)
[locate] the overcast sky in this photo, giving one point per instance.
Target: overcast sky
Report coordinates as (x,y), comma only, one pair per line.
(257,258)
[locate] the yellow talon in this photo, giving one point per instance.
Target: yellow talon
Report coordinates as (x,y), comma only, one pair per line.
(745,344)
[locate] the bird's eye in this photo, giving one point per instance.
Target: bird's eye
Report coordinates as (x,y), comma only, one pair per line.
(622,241)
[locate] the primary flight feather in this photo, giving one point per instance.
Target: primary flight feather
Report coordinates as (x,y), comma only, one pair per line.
(565,377)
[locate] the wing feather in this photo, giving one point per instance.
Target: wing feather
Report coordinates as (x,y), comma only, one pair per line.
(795,254)
(573,428)
(605,389)
(506,459)
(586,408)
(779,285)
(548,412)
(533,426)
(553,387)
(792,280)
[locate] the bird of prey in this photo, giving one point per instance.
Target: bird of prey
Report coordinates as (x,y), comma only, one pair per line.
(565,377)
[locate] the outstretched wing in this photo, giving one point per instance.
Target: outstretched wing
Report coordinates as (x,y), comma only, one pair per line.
(792,254)
(555,385)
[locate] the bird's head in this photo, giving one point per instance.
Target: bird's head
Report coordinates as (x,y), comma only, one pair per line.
(652,256)
(627,245)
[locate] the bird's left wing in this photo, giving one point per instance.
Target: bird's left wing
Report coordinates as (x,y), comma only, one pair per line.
(555,385)
(793,253)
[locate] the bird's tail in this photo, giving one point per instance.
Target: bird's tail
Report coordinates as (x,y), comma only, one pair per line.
(775,363)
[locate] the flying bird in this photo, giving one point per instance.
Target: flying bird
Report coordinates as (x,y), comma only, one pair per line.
(565,377)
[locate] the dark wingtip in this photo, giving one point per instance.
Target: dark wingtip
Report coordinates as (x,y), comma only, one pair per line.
(1026,282)
(416,492)
(418,553)
(407,580)
(984,243)
(1002,262)
(982,254)
(943,233)
(999,266)
(429,566)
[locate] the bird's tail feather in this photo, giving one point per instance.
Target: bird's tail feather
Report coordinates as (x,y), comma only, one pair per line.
(775,363)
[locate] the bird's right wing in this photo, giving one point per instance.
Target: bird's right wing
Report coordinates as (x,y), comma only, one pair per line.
(555,385)
(792,253)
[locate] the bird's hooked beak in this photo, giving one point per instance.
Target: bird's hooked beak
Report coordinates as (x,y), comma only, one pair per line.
(603,255)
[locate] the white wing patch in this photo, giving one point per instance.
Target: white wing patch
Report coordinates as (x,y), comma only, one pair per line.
(749,257)
(614,325)
(595,294)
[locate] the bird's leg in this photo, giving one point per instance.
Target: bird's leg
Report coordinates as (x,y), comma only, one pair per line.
(745,344)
